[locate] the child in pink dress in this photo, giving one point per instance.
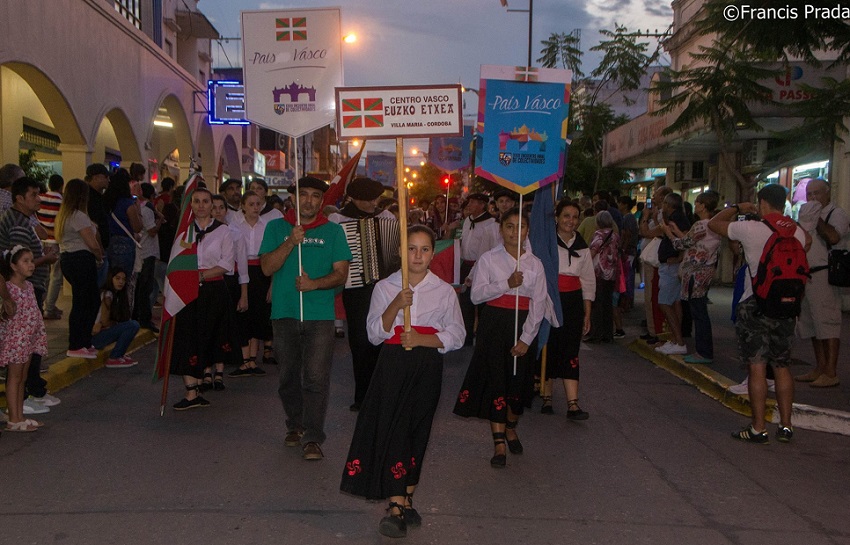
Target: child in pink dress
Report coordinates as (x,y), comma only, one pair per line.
(21,336)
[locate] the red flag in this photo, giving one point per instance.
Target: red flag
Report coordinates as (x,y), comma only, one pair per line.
(340,182)
(181,277)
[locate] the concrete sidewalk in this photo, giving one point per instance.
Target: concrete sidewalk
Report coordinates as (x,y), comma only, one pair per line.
(821,409)
(63,371)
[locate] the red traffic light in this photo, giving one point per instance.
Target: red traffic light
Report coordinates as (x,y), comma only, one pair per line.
(447,181)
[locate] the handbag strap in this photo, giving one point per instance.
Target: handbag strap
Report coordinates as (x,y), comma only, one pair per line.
(124,228)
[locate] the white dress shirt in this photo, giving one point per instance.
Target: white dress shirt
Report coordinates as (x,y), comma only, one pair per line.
(581,266)
(216,249)
(490,281)
(241,253)
(253,236)
(435,304)
(481,238)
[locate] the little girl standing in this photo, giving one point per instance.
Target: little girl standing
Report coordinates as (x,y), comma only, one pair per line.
(20,337)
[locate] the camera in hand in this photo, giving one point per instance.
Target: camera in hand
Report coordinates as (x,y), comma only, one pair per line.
(748,217)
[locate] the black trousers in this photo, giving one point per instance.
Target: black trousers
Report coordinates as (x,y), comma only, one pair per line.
(145,283)
(364,355)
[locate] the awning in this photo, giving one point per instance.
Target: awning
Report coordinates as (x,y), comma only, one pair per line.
(196,24)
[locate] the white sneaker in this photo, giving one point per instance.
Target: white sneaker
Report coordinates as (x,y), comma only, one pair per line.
(33,407)
(743,388)
(47,400)
(674,349)
(661,347)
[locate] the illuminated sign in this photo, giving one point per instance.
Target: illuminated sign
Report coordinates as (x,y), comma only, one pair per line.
(226,101)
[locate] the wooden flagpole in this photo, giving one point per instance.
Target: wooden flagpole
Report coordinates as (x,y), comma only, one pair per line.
(518,255)
(168,348)
(298,222)
(402,219)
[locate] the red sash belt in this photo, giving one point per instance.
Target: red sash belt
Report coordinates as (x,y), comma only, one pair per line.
(211,278)
(254,262)
(399,329)
(509,301)
(568,282)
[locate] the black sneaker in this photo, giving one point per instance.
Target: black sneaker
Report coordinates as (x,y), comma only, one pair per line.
(750,435)
(312,451)
(619,334)
(784,434)
(185,404)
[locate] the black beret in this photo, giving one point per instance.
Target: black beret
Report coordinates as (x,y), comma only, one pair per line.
(312,183)
(478,197)
(505,193)
(365,189)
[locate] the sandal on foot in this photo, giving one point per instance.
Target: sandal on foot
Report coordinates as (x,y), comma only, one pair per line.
(498,460)
(411,516)
(22,426)
(513,444)
(206,384)
(218,383)
(574,412)
(393,525)
(547,406)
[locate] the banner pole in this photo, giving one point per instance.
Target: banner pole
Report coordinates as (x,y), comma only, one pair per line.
(298,222)
(402,220)
(516,300)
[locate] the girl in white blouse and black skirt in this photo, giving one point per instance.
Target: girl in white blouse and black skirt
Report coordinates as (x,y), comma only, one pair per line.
(202,330)
(491,389)
(394,423)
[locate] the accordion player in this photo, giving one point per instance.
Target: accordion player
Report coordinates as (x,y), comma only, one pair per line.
(375,244)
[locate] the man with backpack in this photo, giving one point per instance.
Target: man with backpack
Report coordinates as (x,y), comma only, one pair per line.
(774,249)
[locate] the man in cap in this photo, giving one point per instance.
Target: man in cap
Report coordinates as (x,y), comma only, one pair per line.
(364,194)
(97,176)
(480,234)
(505,200)
(304,348)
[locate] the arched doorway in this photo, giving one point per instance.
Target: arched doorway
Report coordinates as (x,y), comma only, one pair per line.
(206,155)
(115,143)
(171,141)
(231,163)
(37,118)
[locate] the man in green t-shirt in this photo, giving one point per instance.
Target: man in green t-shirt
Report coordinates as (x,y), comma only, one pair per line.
(304,334)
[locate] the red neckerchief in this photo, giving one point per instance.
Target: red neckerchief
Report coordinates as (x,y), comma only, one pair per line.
(293,220)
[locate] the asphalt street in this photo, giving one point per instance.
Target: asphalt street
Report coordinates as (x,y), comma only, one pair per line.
(653,464)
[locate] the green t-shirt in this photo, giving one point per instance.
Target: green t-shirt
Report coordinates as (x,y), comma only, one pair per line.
(322,247)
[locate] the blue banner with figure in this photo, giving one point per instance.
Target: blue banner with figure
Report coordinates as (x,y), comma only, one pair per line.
(522,126)
(380,166)
(451,154)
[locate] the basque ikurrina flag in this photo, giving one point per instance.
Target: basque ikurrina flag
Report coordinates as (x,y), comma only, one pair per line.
(181,277)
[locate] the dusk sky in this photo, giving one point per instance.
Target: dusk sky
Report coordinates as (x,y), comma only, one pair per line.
(401,42)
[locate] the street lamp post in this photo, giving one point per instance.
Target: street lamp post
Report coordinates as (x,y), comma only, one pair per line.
(530,12)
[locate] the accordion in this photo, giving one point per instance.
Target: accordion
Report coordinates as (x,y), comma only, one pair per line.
(374,244)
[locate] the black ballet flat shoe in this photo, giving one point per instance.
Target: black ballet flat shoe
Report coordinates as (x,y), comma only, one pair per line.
(411,516)
(547,406)
(498,461)
(393,525)
(218,383)
(206,385)
(575,413)
(513,444)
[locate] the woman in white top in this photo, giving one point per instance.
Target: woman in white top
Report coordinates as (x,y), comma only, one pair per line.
(202,329)
(258,317)
(491,390)
(394,423)
(577,288)
(261,188)
(80,255)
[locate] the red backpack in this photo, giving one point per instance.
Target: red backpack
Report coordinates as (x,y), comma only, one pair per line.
(783,270)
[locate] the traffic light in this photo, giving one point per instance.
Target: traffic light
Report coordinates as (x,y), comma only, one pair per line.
(447,181)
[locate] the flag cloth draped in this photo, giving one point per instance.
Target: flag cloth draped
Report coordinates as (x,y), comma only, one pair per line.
(337,189)
(543,236)
(181,277)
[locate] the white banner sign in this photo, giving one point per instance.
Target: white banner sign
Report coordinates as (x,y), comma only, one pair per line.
(396,112)
(292,62)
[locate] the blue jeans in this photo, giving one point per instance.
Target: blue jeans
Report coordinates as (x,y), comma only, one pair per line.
(703,337)
(122,253)
(304,351)
(122,334)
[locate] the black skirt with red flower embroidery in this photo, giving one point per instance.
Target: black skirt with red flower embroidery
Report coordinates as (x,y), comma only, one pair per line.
(394,423)
(565,342)
(204,332)
(490,386)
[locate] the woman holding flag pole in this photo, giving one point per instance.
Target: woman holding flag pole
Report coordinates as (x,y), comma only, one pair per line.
(499,384)
(202,328)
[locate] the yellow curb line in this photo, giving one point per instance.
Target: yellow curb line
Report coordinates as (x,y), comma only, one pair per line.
(67,371)
(704,379)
